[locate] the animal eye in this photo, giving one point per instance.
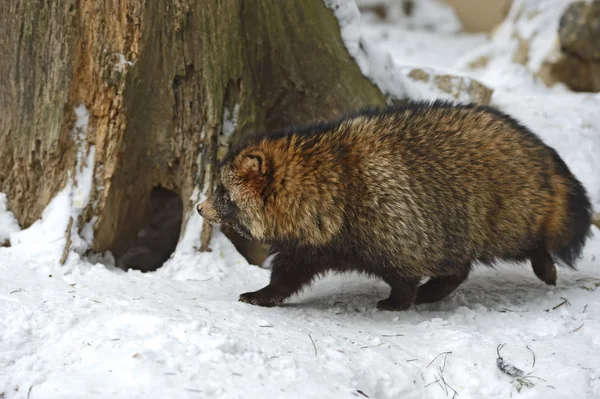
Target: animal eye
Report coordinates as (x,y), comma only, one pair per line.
(226,197)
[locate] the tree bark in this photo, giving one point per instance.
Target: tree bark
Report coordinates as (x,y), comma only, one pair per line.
(161,80)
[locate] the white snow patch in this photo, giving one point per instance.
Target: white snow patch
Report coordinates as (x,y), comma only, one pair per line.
(8,222)
(122,62)
(230,120)
(374,63)
(47,235)
(410,48)
(190,240)
(229,125)
(535,22)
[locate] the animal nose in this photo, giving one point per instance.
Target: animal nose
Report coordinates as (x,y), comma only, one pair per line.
(199,209)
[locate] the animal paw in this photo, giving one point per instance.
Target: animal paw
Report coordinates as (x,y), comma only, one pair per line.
(547,274)
(389,304)
(260,298)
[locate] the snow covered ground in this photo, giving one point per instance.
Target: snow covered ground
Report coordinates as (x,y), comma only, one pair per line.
(87,329)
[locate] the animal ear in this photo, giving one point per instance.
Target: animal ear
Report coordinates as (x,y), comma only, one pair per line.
(254,164)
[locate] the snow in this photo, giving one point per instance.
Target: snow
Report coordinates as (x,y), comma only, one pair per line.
(230,120)
(374,61)
(229,126)
(533,21)
(122,62)
(422,48)
(93,331)
(88,329)
(8,222)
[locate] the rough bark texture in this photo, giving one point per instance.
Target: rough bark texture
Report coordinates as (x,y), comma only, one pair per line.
(34,96)
(157,78)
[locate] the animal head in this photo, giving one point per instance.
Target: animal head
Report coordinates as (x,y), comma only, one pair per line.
(239,197)
(270,190)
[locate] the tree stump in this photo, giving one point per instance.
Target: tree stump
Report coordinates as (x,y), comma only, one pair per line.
(168,85)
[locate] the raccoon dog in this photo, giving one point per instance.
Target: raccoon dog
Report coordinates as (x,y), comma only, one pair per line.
(401,193)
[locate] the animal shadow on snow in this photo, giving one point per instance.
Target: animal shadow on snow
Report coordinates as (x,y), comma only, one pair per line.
(499,289)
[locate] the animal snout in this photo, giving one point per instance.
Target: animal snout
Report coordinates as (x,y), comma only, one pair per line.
(207,211)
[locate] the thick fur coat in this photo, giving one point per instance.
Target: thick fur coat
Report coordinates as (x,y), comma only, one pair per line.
(405,192)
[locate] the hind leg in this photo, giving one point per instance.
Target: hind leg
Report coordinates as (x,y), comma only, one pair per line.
(543,266)
(438,288)
(403,291)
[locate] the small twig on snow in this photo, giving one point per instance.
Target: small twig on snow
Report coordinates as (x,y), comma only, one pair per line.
(589,280)
(564,302)
(576,329)
(443,353)
(533,365)
(371,346)
(446,385)
(504,310)
(439,379)
(432,382)
(362,393)
(313,342)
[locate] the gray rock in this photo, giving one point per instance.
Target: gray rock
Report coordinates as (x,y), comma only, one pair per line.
(579,30)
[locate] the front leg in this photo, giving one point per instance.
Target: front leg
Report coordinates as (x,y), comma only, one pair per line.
(290,271)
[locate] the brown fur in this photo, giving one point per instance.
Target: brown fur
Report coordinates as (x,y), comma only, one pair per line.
(421,190)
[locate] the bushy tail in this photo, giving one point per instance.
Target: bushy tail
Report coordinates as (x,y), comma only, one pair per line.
(576,226)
